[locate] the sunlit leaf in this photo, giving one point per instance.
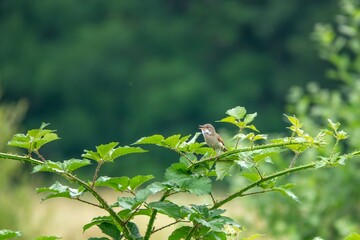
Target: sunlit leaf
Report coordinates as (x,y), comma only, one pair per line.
(59,190)
(236,112)
(137,181)
(249,118)
(117,183)
(6,234)
(154,139)
(34,139)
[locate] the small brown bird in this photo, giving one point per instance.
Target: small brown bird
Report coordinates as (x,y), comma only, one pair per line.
(212,138)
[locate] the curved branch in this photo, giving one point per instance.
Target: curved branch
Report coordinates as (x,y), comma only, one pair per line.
(103,204)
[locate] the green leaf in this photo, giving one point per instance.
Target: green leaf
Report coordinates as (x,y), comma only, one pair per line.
(229,119)
(137,181)
(34,139)
(109,152)
(134,231)
(172,141)
(253,177)
(154,139)
(168,208)
(105,151)
(333,126)
(59,190)
(6,234)
(121,151)
(47,238)
(180,176)
(109,229)
(237,112)
(249,118)
(180,233)
(222,169)
(96,221)
(117,183)
(128,202)
(66,166)
(288,193)
(352,236)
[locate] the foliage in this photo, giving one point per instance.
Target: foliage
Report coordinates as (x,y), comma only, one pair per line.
(198,168)
(329,211)
(124,63)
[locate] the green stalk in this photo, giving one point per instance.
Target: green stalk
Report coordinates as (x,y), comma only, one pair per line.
(247,149)
(153,217)
(120,224)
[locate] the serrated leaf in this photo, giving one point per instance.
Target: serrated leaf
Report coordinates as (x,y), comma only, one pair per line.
(137,181)
(198,186)
(6,234)
(66,166)
(109,152)
(134,231)
(180,233)
(171,141)
(168,208)
(249,118)
(229,119)
(179,175)
(252,127)
(117,183)
(121,151)
(288,193)
(237,112)
(154,139)
(59,190)
(109,229)
(222,169)
(96,221)
(127,202)
(105,151)
(34,139)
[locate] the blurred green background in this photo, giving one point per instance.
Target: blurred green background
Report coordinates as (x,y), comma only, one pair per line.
(102,71)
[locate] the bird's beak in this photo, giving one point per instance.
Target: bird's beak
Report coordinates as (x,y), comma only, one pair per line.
(201,126)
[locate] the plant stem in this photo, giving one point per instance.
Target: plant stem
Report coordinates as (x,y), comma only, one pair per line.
(102,203)
(258,182)
(248,149)
(149,229)
(96,173)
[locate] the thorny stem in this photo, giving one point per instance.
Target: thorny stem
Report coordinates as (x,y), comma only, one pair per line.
(241,192)
(294,159)
(149,229)
(39,155)
(102,203)
(90,203)
(168,225)
(96,173)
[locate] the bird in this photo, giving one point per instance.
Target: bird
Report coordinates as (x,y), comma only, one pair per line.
(212,138)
